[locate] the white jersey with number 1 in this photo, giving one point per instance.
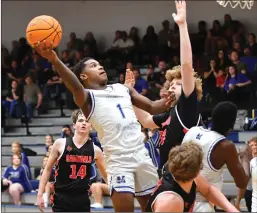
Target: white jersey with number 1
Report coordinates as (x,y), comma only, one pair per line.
(114,119)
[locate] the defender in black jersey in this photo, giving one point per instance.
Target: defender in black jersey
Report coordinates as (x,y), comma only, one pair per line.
(183,83)
(177,193)
(73,158)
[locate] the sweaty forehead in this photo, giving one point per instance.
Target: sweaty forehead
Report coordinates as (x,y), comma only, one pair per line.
(91,61)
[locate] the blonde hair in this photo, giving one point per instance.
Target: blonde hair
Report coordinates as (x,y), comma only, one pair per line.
(185,161)
(175,73)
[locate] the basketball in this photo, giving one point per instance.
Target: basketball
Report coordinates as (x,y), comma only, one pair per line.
(44,28)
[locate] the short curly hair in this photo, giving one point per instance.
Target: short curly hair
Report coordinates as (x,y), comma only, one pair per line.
(185,161)
(175,73)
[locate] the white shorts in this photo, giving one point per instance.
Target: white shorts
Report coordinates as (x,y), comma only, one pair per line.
(203,207)
(134,174)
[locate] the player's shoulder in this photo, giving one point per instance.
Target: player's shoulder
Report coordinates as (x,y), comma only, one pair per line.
(59,141)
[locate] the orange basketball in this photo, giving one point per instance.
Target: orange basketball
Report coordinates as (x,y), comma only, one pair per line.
(44,28)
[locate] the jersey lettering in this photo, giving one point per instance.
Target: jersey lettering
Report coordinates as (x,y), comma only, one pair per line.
(81,173)
(121,179)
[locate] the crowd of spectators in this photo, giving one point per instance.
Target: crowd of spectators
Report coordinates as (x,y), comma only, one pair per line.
(224,56)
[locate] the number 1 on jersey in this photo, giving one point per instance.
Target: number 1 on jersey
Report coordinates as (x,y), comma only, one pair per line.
(122,113)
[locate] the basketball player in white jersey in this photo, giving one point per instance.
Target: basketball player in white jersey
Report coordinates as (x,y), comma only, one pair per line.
(218,152)
(253,172)
(109,108)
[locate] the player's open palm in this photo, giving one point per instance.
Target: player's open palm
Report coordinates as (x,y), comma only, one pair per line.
(129,78)
(180,17)
(46,50)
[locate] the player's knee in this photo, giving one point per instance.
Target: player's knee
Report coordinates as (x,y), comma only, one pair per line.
(94,186)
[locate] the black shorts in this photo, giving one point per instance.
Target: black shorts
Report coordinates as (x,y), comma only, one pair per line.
(65,202)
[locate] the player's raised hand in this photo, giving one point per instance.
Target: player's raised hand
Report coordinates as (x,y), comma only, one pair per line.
(45,49)
(169,97)
(129,78)
(180,17)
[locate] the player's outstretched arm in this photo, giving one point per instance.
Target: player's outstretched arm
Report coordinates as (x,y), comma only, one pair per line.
(99,160)
(153,107)
(185,49)
(213,194)
(47,172)
(235,168)
(68,77)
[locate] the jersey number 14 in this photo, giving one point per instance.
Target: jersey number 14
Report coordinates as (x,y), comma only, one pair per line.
(81,173)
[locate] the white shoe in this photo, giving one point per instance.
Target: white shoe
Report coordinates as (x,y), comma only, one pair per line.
(97,205)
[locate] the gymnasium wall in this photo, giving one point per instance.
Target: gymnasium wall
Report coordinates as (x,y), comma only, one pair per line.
(103,18)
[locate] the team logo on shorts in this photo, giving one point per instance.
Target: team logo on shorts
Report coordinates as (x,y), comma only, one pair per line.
(121,179)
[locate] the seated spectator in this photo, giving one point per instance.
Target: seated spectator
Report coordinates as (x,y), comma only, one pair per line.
(54,83)
(249,60)
(133,35)
(121,78)
(236,86)
(164,38)
(90,46)
(238,48)
(213,36)
(252,45)
(14,73)
(13,100)
(75,43)
(98,190)
(129,66)
(15,50)
(78,57)
(123,48)
(48,187)
(140,84)
(160,76)
(220,79)
(118,35)
(32,97)
(200,37)
(220,82)
(49,140)
(17,149)
(174,62)
(210,80)
(49,150)
(152,78)
(16,177)
(66,131)
(235,60)
(150,45)
(66,59)
(222,60)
